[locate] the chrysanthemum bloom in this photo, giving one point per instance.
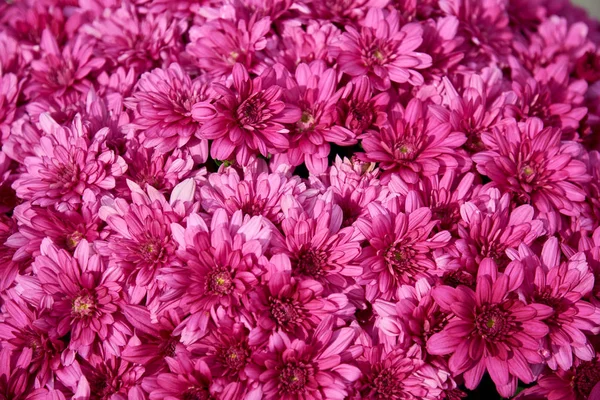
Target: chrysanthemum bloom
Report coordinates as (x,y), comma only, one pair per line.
(581,382)
(83,296)
(346,11)
(249,117)
(58,72)
(354,185)
(414,144)
(218,266)
(492,330)
(443,195)
(477,109)
(219,44)
(291,305)
(552,96)
(153,341)
(490,228)
(292,369)
(533,165)
(161,171)
(109,377)
(360,109)
(8,267)
(484,25)
(317,245)
(23,333)
(441,41)
(383,50)
(129,40)
(188,379)
(313,90)
(301,43)
(15,380)
(563,286)
(163,102)
(65,164)
(10,86)
(226,351)
(257,192)
(142,243)
(399,251)
(409,322)
(65,229)
(389,375)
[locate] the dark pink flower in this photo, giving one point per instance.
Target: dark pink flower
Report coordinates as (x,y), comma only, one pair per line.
(10,86)
(383,50)
(531,163)
(83,297)
(292,369)
(312,89)
(491,330)
(219,44)
(162,103)
(108,378)
(399,251)
(414,144)
(291,305)
(317,245)
(60,71)
(248,119)
(563,286)
(361,109)
(65,164)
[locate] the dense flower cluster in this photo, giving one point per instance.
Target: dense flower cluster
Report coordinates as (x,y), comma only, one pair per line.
(299,199)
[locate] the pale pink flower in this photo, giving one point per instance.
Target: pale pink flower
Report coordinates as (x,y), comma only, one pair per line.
(383,50)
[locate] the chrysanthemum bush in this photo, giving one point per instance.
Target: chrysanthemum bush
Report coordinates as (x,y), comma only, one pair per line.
(299,199)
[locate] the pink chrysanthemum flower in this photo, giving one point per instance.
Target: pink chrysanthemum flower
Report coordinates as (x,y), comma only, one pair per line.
(441,41)
(389,375)
(9,266)
(58,72)
(10,86)
(477,109)
(142,243)
(248,119)
(256,192)
(153,341)
(187,380)
(345,11)
(227,352)
(219,44)
(130,40)
(313,90)
(291,305)
(533,165)
(25,334)
(354,185)
(163,102)
(581,382)
(562,286)
(65,164)
(383,50)
(414,144)
(492,330)
(109,377)
(491,227)
(218,265)
(399,250)
(361,109)
(83,297)
(317,245)
(444,195)
(484,25)
(292,369)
